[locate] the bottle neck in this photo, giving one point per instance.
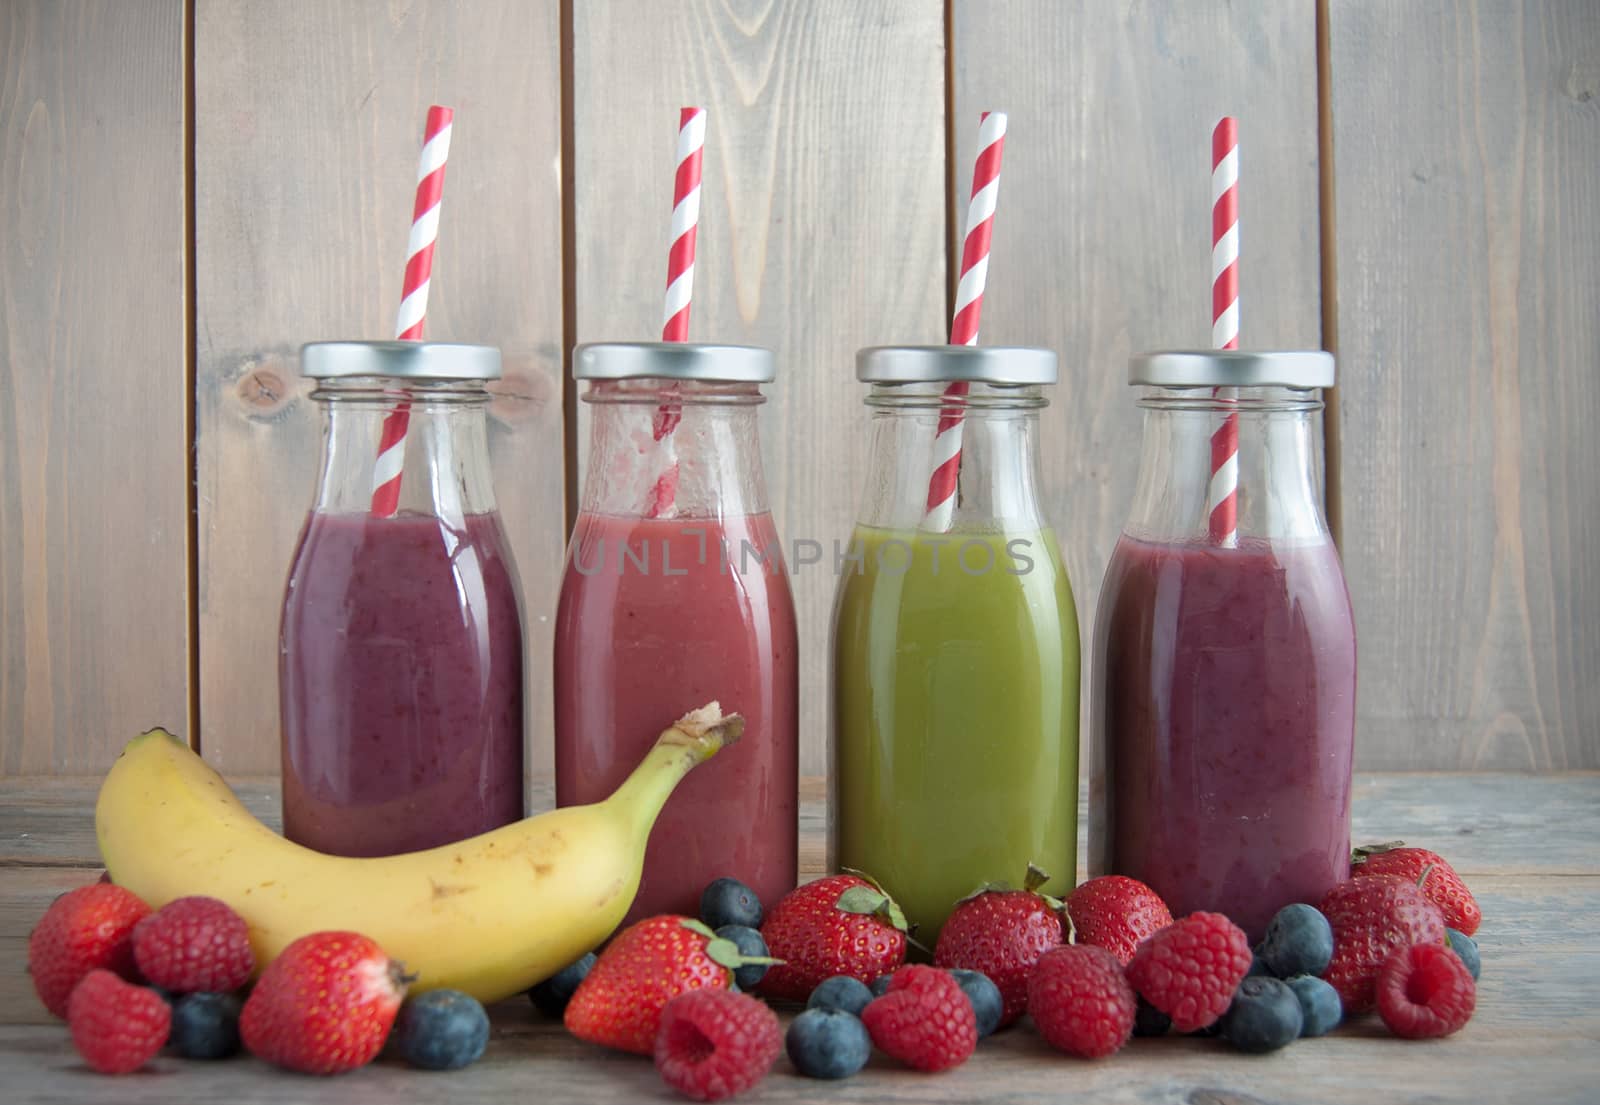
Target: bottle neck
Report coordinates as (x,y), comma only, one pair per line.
(917,427)
(444,455)
(1279,460)
(674,449)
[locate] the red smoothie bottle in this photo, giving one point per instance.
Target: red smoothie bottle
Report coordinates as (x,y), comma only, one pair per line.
(400,652)
(676,593)
(1224,677)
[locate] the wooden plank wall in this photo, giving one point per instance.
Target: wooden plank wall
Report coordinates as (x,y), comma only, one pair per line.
(304,179)
(1102,238)
(821,224)
(1467,142)
(1467,260)
(93,459)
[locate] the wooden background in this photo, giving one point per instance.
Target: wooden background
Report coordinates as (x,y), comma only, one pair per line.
(190,190)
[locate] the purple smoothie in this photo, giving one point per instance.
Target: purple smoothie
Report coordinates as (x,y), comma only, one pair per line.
(1226,698)
(400,679)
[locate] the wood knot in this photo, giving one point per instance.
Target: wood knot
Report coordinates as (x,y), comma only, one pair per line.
(525,389)
(263,389)
(1581,80)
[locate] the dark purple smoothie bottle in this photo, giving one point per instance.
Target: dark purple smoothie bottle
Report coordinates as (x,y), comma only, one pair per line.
(1224,677)
(400,650)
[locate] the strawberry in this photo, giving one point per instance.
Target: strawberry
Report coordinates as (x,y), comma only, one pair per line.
(1443,887)
(325,1005)
(1373,917)
(838,925)
(1003,932)
(85,928)
(1116,913)
(619,1002)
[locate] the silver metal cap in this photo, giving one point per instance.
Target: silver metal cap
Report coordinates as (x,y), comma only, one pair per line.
(1230,368)
(673,360)
(410,360)
(979,364)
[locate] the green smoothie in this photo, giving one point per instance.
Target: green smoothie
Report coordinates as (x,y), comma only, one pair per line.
(955,710)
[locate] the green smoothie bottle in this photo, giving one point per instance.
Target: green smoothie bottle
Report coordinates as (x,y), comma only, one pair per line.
(955,639)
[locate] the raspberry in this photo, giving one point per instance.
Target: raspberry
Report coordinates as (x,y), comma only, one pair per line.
(194,944)
(1190,969)
(83,929)
(713,1044)
(1425,991)
(924,1020)
(1080,1001)
(116,1026)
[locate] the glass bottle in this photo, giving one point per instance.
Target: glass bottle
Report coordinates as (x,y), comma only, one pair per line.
(955,640)
(1225,667)
(400,667)
(676,594)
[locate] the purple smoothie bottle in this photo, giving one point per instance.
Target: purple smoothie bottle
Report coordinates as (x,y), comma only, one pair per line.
(1224,669)
(400,648)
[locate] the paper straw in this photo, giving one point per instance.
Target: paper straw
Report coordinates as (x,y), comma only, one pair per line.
(1222,493)
(968,309)
(413,300)
(680,287)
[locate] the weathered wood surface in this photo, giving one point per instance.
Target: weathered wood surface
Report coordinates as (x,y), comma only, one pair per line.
(94,621)
(821,224)
(1534,1037)
(1468,223)
(308,123)
(1102,238)
(49,822)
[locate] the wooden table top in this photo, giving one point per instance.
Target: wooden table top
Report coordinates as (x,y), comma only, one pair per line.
(1529,847)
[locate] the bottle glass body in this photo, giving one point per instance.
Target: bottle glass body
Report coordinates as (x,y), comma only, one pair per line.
(400,647)
(1224,672)
(955,662)
(675,594)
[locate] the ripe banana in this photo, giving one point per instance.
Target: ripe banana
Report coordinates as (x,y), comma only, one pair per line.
(491,915)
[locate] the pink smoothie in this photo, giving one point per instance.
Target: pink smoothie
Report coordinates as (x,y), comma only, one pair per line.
(1226,694)
(639,644)
(400,676)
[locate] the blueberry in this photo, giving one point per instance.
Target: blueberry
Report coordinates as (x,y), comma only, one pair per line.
(985,998)
(550,997)
(828,1043)
(1150,1021)
(880,985)
(1467,949)
(205,1026)
(1258,966)
(1264,1016)
(841,992)
(1299,941)
(749,942)
(442,1030)
(730,902)
(1320,1008)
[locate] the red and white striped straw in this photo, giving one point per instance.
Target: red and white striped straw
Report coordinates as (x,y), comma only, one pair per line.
(968,310)
(413,300)
(1222,493)
(680,283)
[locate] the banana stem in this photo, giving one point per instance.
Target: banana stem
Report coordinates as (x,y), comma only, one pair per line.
(692,739)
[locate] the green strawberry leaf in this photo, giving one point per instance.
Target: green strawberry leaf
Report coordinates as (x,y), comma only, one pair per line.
(698,927)
(986,888)
(1037,877)
(725,952)
(861,899)
(1361,854)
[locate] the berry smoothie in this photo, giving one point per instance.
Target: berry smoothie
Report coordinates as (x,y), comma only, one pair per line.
(1225,693)
(658,617)
(400,676)
(955,714)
